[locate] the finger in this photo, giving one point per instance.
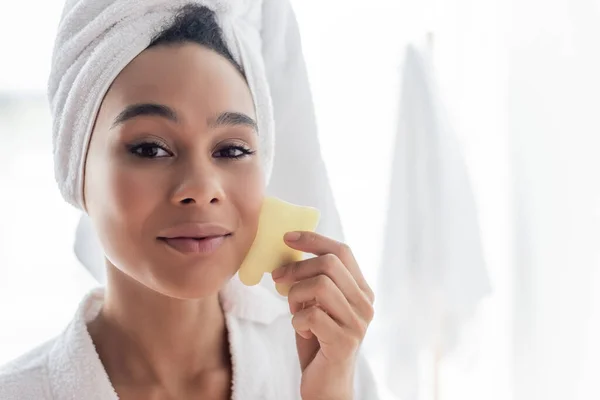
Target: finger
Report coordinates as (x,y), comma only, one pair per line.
(315,320)
(335,342)
(321,291)
(331,266)
(314,243)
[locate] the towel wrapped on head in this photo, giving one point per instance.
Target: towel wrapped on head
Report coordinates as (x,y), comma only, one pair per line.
(97,39)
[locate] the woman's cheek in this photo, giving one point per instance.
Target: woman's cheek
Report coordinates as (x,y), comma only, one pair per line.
(247,187)
(133,189)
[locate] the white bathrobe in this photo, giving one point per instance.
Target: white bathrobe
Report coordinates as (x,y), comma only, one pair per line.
(262,346)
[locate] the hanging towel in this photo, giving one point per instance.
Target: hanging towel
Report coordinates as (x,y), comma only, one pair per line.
(433,273)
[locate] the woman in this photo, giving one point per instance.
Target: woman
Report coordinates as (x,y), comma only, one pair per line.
(173,172)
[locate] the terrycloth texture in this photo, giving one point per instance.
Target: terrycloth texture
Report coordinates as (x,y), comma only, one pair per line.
(297,151)
(97,38)
(262,346)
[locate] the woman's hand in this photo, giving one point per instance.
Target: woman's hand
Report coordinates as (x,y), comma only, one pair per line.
(332,307)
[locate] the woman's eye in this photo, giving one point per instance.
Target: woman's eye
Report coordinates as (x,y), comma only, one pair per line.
(149,150)
(233,152)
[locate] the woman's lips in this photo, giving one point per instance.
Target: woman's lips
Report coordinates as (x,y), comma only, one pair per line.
(188,245)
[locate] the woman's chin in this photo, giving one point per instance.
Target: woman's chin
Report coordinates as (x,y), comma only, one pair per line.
(190,283)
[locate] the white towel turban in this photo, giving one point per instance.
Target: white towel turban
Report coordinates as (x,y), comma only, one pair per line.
(97,39)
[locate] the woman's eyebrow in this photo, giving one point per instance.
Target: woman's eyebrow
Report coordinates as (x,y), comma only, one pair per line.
(230,118)
(145,109)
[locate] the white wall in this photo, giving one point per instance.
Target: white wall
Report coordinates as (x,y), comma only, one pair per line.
(554,125)
(27,30)
(41,282)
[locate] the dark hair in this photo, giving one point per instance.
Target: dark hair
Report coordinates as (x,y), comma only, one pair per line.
(196,24)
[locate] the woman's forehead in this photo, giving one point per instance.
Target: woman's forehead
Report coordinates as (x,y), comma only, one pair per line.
(187,78)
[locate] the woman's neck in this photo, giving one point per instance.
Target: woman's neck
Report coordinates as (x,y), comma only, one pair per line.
(145,337)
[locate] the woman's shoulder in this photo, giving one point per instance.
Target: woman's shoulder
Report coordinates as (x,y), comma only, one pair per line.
(26,377)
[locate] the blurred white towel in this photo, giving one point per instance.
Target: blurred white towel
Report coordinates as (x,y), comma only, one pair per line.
(433,274)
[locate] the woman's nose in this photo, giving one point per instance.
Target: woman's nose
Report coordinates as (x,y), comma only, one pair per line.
(200,184)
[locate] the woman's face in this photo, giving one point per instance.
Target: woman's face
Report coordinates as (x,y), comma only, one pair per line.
(175,143)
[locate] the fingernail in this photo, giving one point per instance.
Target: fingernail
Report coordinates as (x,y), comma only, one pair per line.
(292,236)
(278,273)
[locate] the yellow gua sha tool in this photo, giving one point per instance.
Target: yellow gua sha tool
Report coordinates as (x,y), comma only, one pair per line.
(269,251)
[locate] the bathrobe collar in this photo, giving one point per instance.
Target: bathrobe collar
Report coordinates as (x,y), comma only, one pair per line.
(75,367)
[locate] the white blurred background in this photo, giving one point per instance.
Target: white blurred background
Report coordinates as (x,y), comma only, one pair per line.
(519,81)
